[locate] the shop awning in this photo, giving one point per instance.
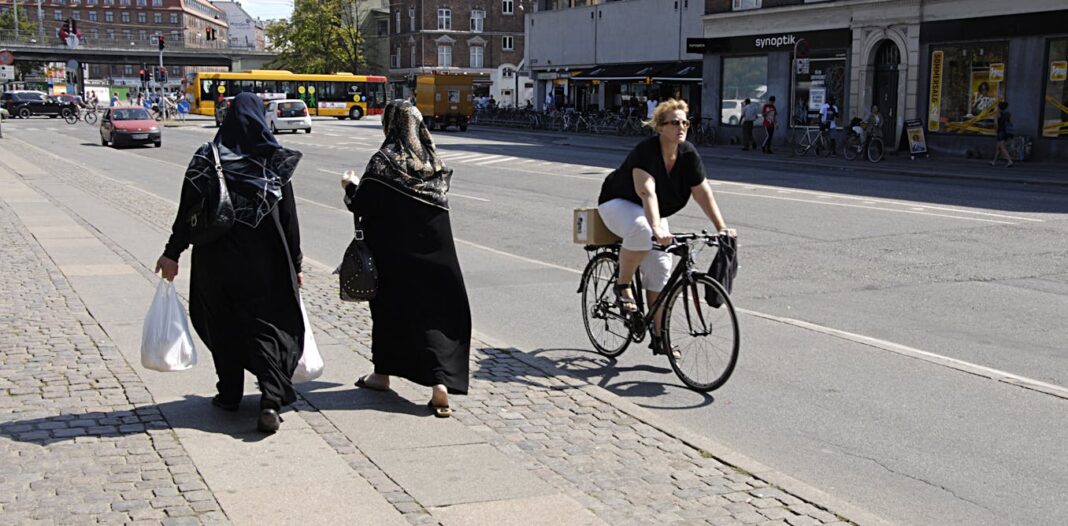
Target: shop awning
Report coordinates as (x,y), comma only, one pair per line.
(673,71)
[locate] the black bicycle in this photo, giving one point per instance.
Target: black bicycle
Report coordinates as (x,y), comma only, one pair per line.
(699,331)
(80,114)
(872,147)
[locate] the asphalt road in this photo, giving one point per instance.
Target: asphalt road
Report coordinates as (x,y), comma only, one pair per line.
(903,339)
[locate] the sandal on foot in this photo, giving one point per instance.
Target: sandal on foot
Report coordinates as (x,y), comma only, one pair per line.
(269,421)
(657,345)
(625,303)
(362,382)
(439,410)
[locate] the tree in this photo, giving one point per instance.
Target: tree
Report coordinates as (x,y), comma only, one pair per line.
(27,30)
(322,36)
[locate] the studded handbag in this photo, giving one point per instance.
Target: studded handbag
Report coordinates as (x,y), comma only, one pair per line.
(212,216)
(357,272)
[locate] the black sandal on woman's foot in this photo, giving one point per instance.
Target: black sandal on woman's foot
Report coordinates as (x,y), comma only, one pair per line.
(269,421)
(625,303)
(362,382)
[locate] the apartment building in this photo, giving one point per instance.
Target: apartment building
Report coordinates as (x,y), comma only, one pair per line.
(483,38)
(244,32)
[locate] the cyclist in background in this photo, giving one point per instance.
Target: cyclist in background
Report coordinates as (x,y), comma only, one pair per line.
(655,181)
(872,122)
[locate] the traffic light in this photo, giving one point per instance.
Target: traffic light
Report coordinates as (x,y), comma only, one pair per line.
(163,74)
(161,43)
(73,26)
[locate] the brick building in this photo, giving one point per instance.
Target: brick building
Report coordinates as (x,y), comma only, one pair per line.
(480,37)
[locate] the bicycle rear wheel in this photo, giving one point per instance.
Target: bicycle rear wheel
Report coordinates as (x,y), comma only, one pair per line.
(605,324)
(70,117)
(801,144)
(705,338)
(851,145)
(875,150)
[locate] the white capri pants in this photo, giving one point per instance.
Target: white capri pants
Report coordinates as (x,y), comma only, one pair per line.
(627,220)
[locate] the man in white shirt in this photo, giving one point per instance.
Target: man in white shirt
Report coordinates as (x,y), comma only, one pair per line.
(650,105)
(750,112)
(829,121)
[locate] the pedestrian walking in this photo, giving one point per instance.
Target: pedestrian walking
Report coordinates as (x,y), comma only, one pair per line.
(1003,121)
(829,122)
(750,112)
(243,287)
(655,181)
(770,114)
(421,319)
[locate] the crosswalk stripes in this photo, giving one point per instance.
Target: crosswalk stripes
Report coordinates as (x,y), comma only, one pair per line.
(494,161)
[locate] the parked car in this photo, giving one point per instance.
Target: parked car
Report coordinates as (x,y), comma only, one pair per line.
(126,125)
(26,104)
(731,111)
(288,114)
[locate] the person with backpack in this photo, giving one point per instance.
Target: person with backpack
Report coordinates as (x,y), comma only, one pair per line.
(829,121)
(1003,121)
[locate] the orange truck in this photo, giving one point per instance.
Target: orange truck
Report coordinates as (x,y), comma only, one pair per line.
(445,99)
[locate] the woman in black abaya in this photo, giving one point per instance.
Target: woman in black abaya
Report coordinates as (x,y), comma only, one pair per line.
(243,289)
(421,318)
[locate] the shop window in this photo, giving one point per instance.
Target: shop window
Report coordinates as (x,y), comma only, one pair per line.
(743,78)
(1055,105)
(816,81)
(741,5)
(967,82)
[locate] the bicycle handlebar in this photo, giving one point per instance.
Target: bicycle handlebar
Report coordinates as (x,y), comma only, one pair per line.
(686,237)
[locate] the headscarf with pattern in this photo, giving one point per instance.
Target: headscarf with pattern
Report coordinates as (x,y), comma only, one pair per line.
(407,160)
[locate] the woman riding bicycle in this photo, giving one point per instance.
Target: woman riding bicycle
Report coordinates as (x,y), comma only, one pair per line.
(655,181)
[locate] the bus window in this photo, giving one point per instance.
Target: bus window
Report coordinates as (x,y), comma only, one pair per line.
(376,94)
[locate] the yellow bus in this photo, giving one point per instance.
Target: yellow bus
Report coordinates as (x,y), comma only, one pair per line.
(340,95)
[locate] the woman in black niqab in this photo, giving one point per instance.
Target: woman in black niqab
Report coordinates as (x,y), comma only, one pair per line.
(421,317)
(243,288)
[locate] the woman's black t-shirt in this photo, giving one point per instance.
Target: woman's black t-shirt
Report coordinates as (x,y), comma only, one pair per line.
(672,189)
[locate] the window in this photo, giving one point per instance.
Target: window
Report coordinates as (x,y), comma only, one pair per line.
(125,17)
(75,2)
(383,28)
(157,18)
(109,16)
(476,56)
(411,19)
(124,3)
(127,70)
(92,16)
(477,15)
(507,43)
(444,18)
(111,34)
(141,18)
(142,3)
(90,2)
(58,14)
(94,33)
(175,36)
(77,15)
(444,56)
(1055,108)
(396,24)
(743,78)
(740,5)
(109,2)
(157,3)
(508,7)
(411,59)
(507,73)
(395,59)
(825,80)
(126,34)
(967,82)
(142,35)
(174,18)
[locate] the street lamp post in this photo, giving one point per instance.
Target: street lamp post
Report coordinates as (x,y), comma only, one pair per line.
(15,10)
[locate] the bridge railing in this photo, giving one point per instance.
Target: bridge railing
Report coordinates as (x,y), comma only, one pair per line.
(24,39)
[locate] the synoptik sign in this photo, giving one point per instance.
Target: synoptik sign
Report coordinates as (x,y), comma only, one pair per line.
(779,41)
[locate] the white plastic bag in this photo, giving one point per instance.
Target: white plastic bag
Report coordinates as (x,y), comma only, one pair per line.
(166,343)
(311,363)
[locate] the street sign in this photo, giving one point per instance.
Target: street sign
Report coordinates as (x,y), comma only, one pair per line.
(7,58)
(72,64)
(7,72)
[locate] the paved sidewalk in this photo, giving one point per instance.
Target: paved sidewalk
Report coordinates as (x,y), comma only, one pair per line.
(87,435)
(943,167)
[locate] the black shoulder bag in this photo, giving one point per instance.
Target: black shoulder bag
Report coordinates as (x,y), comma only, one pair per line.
(357,272)
(212,216)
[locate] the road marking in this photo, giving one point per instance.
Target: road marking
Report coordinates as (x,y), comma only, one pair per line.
(494,161)
(884,209)
(454,194)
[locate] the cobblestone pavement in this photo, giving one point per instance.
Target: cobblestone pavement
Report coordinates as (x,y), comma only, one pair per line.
(622,469)
(80,439)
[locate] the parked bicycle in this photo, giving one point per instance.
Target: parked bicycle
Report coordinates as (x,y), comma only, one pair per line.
(700,341)
(812,137)
(872,147)
(81,114)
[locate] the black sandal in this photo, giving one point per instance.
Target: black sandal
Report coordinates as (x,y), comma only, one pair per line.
(626,304)
(657,346)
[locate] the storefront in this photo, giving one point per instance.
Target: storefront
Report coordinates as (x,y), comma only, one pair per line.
(802,70)
(971,65)
(617,87)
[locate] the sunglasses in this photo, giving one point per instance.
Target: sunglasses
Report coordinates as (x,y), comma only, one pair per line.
(677,122)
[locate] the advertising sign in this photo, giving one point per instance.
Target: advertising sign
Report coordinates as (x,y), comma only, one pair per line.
(1058,71)
(935,99)
(917,139)
(997,71)
(7,72)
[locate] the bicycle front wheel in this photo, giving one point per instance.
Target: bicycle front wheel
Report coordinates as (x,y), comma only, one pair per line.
(702,340)
(875,150)
(801,144)
(90,117)
(605,324)
(852,144)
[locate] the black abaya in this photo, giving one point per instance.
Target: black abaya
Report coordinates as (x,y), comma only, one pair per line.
(421,317)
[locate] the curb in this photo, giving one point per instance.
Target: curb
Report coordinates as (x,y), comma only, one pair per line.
(717,450)
(566,140)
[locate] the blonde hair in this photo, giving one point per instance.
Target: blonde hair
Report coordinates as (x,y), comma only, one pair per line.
(666,107)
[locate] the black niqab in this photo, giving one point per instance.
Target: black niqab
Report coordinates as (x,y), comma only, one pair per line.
(244,131)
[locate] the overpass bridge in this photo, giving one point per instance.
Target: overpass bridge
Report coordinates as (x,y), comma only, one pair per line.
(235,59)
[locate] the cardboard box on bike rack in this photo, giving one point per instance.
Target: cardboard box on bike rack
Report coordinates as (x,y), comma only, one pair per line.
(587,228)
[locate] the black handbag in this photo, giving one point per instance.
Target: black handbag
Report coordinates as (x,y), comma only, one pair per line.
(357,273)
(212,216)
(723,269)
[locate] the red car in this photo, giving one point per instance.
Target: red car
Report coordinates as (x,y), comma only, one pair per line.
(129,125)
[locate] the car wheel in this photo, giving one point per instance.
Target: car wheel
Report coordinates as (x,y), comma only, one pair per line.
(274,130)
(307,130)
(24,113)
(356,113)
(159,144)
(103,141)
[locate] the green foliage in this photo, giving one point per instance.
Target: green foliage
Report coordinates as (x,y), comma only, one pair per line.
(322,36)
(7,24)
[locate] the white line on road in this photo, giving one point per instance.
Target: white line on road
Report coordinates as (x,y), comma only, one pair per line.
(483,199)
(494,161)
